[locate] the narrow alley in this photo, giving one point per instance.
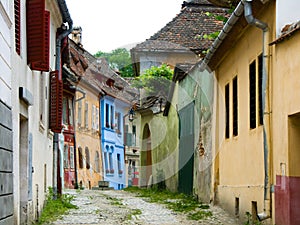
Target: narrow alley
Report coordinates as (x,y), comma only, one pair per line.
(112,207)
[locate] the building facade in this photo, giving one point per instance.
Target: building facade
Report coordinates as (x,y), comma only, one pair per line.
(7,194)
(112,140)
(256,166)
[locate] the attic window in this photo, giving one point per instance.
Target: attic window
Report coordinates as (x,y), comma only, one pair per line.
(110,82)
(38,35)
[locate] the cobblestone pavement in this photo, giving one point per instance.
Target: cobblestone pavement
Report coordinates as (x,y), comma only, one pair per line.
(119,208)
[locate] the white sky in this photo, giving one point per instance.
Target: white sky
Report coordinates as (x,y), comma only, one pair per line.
(111,24)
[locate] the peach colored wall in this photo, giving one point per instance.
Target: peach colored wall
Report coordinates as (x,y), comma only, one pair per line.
(239,169)
(87,137)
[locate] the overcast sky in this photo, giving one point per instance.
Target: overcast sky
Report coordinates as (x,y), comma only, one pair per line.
(111,24)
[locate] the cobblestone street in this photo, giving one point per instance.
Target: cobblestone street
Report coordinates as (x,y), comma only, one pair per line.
(120,207)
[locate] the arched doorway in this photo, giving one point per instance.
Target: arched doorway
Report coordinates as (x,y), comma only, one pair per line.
(147,154)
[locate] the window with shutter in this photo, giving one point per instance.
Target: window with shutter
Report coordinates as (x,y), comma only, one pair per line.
(56,102)
(38,35)
(79,113)
(86,115)
(94,117)
(17,26)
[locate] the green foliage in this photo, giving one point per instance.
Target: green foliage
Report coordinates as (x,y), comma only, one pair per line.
(250,220)
(114,201)
(155,80)
(199,215)
(134,212)
(118,59)
(214,35)
(56,205)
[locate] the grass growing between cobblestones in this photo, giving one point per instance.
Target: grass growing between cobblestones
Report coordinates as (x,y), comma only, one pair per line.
(55,207)
(177,202)
(134,212)
(114,201)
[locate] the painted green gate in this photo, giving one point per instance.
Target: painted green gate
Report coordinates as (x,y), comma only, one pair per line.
(186,149)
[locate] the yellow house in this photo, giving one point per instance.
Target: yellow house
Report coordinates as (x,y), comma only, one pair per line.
(88,158)
(257,164)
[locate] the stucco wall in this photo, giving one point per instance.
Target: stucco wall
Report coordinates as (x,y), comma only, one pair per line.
(199,87)
(239,175)
(164,146)
(88,137)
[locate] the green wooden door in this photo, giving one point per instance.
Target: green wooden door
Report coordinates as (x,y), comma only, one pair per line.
(186,149)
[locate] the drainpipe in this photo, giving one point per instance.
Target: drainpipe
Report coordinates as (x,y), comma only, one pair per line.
(66,19)
(266,108)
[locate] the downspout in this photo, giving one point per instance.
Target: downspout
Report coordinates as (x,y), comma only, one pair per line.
(66,19)
(265,103)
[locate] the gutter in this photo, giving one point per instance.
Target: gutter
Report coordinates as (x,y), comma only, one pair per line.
(246,6)
(266,108)
(66,19)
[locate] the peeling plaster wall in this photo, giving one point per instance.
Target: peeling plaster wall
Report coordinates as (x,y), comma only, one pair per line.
(164,146)
(199,87)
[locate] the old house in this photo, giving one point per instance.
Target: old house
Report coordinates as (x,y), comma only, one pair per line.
(6,127)
(256,167)
(81,156)
(28,55)
(114,107)
(180,44)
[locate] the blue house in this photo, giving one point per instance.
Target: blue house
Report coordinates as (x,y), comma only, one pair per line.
(112,139)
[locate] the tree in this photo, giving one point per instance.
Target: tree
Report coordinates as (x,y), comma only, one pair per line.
(118,59)
(155,81)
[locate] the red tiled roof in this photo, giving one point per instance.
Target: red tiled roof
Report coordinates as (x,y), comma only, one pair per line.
(96,72)
(183,31)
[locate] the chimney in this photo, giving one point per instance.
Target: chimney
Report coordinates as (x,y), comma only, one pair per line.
(77,35)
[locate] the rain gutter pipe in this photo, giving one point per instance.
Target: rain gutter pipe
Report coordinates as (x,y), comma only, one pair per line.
(246,7)
(66,19)
(266,122)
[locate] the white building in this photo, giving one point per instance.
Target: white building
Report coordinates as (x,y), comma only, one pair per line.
(6,154)
(28,49)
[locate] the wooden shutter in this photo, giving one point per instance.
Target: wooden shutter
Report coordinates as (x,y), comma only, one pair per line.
(56,97)
(38,31)
(17,26)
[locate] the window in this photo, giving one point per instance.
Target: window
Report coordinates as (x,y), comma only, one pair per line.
(227,111)
(94,117)
(38,35)
(97,119)
(133,135)
(80,157)
(87,158)
(71,157)
(120,171)
(42,99)
(79,113)
(252,94)
(17,10)
(106,161)
(66,156)
(65,110)
(111,167)
(256,92)
(86,115)
(260,90)
(118,122)
(235,106)
(107,116)
(97,164)
(70,112)
(111,117)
